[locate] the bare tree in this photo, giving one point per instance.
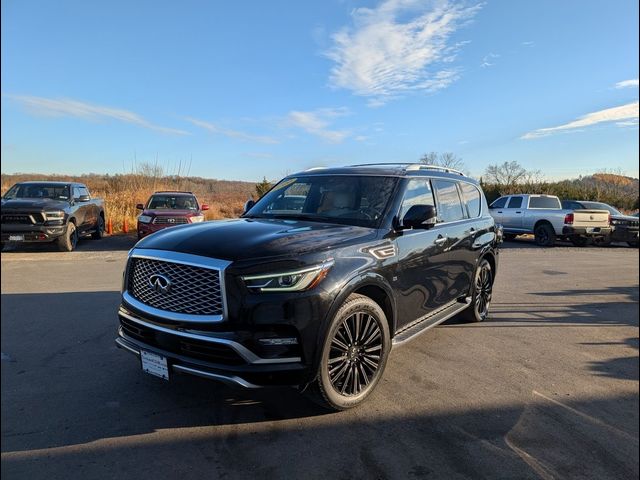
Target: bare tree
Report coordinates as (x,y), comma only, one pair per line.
(506,175)
(444,159)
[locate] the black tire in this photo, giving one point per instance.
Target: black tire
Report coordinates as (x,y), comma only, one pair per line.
(68,241)
(509,237)
(633,244)
(349,368)
(603,241)
(545,235)
(478,310)
(99,232)
(579,241)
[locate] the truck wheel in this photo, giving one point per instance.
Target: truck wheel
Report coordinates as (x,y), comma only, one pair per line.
(68,241)
(99,233)
(579,241)
(633,244)
(545,235)
(353,356)
(481,295)
(602,241)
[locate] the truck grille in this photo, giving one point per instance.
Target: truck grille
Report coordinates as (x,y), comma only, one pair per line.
(22,218)
(170,220)
(191,290)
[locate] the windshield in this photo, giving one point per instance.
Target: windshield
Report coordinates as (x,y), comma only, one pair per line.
(348,199)
(38,190)
(172,202)
(600,206)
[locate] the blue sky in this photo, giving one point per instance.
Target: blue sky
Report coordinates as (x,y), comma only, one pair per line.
(246,89)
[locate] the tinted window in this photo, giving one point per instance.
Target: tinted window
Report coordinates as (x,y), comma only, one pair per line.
(172,202)
(600,206)
(449,204)
(515,202)
(418,192)
(345,199)
(500,203)
(38,190)
(544,202)
(472,197)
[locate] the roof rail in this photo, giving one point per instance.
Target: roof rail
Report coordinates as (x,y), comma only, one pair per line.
(422,166)
(414,166)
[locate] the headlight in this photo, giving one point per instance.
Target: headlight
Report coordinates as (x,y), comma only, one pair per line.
(293,281)
(54,215)
(144,218)
(197,218)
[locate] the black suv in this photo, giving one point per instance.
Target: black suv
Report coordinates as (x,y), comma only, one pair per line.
(315,283)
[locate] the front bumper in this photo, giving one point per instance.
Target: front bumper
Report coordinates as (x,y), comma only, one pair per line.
(145,229)
(625,234)
(586,231)
(215,355)
(32,233)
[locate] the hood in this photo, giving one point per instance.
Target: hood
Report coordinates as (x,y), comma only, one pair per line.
(164,212)
(628,218)
(33,204)
(255,238)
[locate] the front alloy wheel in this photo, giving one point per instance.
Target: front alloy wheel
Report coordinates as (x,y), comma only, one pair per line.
(354,354)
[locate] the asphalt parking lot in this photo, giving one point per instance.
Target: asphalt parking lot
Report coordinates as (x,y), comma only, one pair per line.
(546,388)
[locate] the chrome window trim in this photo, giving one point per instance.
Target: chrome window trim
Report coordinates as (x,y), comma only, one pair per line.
(184,259)
(240,349)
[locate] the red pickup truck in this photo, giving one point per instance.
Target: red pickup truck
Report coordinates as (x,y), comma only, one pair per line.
(168,209)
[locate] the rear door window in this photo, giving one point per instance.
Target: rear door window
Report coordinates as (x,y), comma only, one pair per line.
(449,203)
(472,198)
(515,202)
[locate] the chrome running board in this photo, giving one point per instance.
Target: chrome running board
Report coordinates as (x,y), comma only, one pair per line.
(425,323)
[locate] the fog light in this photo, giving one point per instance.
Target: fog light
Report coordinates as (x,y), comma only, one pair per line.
(278,341)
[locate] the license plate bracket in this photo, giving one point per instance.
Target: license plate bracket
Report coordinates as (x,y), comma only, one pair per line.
(154,364)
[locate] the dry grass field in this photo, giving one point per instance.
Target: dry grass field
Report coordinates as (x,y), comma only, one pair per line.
(121,193)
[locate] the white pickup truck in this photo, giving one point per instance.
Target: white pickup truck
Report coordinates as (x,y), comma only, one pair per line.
(544,216)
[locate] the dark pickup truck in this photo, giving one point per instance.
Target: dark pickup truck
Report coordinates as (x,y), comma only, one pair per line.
(50,211)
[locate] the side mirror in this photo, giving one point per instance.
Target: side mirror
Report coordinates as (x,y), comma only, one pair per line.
(140,206)
(248,206)
(204,207)
(83,198)
(420,216)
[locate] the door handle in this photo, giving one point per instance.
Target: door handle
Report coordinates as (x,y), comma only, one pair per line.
(499,211)
(518,212)
(440,240)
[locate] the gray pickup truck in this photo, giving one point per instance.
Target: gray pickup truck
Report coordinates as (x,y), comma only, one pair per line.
(544,217)
(50,212)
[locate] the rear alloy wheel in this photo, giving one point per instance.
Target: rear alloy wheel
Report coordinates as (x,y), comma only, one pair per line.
(545,235)
(478,311)
(354,354)
(99,232)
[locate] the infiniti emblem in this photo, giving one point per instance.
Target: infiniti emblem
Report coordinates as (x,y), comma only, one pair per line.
(159,283)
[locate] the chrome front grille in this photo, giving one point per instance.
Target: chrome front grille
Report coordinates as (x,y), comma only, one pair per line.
(170,220)
(192,290)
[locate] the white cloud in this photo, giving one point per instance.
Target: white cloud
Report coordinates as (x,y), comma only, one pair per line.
(622,115)
(65,107)
(398,47)
(528,44)
(210,127)
(316,122)
(487,60)
(627,83)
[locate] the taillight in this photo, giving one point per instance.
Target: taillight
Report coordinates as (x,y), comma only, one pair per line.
(568,219)
(609,221)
